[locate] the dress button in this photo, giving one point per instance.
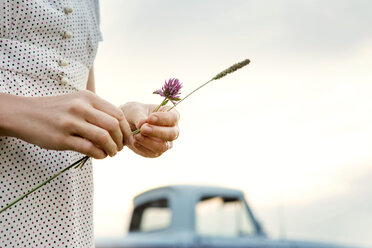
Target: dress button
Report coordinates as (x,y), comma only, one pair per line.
(62,62)
(64,81)
(67,35)
(68,10)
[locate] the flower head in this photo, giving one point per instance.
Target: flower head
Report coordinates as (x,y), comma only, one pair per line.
(171,89)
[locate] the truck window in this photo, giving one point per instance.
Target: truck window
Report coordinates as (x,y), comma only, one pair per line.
(151,216)
(224,217)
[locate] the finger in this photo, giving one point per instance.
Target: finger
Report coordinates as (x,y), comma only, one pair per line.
(126,132)
(145,152)
(164,118)
(86,147)
(169,144)
(98,137)
(108,123)
(135,113)
(163,133)
(107,107)
(153,144)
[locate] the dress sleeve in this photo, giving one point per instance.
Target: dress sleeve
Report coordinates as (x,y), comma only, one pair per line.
(98,18)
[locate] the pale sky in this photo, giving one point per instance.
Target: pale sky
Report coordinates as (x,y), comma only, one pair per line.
(292,129)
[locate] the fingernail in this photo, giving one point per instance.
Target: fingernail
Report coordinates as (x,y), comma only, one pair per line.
(147,129)
(154,119)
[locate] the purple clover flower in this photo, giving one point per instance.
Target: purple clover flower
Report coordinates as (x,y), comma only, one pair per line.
(171,90)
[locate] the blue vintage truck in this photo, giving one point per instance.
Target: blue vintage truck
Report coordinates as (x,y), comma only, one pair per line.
(183,216)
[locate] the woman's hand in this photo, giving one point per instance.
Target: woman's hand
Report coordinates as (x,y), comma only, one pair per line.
(157,128)
(80,121)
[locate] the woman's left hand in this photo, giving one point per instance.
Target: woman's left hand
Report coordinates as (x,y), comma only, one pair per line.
(158,129)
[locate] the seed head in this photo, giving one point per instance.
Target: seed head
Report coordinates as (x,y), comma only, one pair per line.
(231,69)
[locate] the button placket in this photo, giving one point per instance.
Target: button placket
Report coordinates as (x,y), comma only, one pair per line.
(66,35)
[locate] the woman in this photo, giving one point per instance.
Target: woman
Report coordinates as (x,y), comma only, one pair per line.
(50,116)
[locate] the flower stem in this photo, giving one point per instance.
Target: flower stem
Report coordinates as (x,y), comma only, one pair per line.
(80,162)
(136,131)
(161,104)
(231,69)
(190,94)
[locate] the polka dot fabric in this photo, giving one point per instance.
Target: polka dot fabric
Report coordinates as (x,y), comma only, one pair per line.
(46,49)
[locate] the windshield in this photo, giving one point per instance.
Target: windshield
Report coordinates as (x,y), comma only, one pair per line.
(224,217)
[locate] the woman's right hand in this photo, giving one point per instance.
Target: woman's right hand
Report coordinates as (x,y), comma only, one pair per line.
(80,121)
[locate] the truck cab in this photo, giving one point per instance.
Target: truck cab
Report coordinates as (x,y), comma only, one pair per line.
(195,217)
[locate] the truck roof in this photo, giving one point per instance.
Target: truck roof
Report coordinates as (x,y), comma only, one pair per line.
(186,192)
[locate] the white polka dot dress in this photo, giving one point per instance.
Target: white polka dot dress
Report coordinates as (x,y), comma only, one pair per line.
(46,49)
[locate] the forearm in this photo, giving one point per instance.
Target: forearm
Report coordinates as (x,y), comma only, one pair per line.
(91,83)
(11,108)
